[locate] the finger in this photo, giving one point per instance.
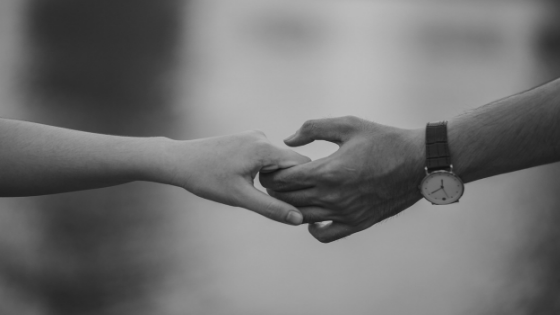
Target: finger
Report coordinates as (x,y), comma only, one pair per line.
(293,178)
(297,198)
(259,202)
(326,233)
(316,214)
(334,130)
(278,158)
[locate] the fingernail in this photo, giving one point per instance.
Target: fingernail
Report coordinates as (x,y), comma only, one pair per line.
(294,218)
(291,137)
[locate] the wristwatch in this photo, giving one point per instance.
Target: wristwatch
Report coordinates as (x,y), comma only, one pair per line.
(440,186)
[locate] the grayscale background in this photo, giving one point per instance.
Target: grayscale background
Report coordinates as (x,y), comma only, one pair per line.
(199,68)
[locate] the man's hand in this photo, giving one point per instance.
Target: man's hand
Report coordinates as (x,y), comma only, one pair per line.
(222,169)
(374,175)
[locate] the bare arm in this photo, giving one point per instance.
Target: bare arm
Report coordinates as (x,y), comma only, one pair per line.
(376,171)
(514,133)
(38,159)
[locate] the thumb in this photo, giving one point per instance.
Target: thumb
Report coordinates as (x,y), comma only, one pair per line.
(330,129)
(259,202)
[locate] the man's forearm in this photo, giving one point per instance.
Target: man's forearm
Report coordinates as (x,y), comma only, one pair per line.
(511,134)
(38,159)
(376,171)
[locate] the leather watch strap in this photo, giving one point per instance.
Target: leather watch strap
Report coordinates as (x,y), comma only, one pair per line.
(437,150)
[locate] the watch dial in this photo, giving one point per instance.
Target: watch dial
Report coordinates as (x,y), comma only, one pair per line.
(442,187)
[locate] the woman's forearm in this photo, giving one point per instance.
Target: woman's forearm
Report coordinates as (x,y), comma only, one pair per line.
(39,159)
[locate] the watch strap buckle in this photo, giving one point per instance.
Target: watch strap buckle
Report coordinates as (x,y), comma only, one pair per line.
(449,169)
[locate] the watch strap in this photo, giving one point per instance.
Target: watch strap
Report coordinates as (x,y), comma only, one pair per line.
(437,149)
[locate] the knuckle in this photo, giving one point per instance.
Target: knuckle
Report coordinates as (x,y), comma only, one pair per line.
(333,197)
(354,124)
(331,172)
(256,134)
(309,126)
(350,121)
(330,177)
(270,210)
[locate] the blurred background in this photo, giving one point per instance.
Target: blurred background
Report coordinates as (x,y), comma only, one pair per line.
(188,69)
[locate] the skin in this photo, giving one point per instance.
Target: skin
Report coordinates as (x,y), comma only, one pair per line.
(39,159)
(372,176)
(376,172)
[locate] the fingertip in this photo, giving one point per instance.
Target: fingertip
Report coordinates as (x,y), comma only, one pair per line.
(290,138)
(327,232)
(300,158)
(298,140)
(287,158)
(270,207)
(319,231)
(290,141)
(294,218)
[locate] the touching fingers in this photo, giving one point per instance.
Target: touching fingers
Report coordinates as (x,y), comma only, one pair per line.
(278,158)
(293,178)
(297,198)
(316,214)
(257,201)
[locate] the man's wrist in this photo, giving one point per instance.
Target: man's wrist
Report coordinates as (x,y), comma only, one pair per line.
(462,160)
(417,140)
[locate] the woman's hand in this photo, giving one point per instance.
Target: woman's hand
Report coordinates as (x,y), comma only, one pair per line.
(38,159)
(222,169)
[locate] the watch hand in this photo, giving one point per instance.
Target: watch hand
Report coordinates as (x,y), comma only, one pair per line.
(446,195)
(435,191)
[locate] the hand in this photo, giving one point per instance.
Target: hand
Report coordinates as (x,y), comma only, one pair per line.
(222,169)
(374,175)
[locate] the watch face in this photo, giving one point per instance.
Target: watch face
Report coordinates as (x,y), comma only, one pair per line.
(442,187)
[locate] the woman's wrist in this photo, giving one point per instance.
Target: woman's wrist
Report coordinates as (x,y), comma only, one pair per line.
(154,160)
